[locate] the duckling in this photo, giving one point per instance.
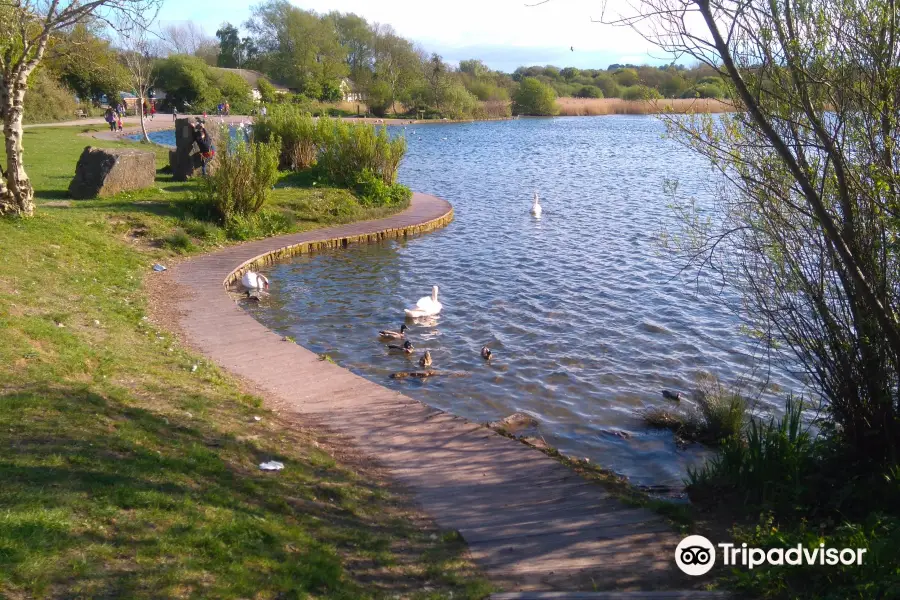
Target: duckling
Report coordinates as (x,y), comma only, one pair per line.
(674,396)
(485,353)
(387,334)
(425,361)
(406,348)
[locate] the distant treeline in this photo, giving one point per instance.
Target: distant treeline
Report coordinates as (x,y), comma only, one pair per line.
(315,58)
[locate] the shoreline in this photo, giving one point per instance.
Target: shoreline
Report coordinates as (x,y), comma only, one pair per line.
(440,456)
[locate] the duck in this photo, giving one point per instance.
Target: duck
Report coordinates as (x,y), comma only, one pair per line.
(425,361)
(674,396)
(427,306)
(254,281)
(387,334)
(406,348)
(486,353)
(536,209)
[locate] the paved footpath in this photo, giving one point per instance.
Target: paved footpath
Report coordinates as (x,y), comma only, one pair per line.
(531,523)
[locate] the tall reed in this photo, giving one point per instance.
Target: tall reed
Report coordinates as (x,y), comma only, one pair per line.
(580,107)
(297,131)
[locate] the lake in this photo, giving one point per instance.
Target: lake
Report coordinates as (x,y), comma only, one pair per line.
(586,314)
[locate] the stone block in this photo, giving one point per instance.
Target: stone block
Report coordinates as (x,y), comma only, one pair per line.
(102,172)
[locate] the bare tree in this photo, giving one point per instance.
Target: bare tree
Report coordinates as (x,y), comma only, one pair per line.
(26,27)
(186,37)
(137,56)
(809,221)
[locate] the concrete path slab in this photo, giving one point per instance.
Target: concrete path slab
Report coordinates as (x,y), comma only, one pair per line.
(531,522)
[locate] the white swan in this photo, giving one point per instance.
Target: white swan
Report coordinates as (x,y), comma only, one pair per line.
(536,207)
(254,281)
(425,307)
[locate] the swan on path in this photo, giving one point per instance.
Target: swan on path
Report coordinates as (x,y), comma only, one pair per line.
(254,281)
(427,306)
(536,207)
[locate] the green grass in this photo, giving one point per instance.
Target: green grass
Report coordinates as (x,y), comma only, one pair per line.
(127,473)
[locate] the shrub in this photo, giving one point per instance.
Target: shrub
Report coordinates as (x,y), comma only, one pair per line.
(458,103)
(266,223)
(267,91)
(534,98)
(47,99)
(373,191)
(378,98)
(297,133)
(640,92)
(705,90)
(242,180)
(348,149)
(589,91)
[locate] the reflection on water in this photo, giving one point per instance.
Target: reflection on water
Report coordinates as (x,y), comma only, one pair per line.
(586,317)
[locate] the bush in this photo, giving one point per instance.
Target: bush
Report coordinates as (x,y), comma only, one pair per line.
(378,98)
(48,100)
(640,92)
(458,103)
(704,90)
(373,191)
(242,179)
(534,98)
(266,223)
(267,91)
(348,149)
(589,91)
(297,132)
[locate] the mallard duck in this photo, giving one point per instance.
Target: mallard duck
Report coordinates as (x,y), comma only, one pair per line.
(387,334)
(425,361)
(673,396)
(254,281)
(406,348)
(486,353)
(427,306)
(536,209)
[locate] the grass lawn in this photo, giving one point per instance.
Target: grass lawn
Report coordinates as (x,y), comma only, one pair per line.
(129,463)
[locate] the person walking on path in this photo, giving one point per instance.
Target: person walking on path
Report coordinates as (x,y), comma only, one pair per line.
(152,110)
(110,118)
(174,113)
(119,122)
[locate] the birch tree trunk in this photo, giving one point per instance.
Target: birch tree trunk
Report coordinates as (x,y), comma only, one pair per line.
(16,192)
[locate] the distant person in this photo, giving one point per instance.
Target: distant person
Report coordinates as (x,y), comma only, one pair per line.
(174,113)
(119,122)
(152,110)
(146,107)
(110,118)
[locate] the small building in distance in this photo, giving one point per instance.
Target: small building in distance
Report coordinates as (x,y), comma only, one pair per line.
(252,78)
(349,91)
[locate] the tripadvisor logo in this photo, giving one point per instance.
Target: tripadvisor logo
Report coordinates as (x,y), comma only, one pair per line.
(696,555)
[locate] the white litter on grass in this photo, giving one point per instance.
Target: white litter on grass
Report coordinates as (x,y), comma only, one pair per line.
(257,419)
(194,369)
(96,322)
(272,465)
(158,268)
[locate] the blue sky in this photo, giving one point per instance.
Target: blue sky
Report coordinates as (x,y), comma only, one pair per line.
(503,33)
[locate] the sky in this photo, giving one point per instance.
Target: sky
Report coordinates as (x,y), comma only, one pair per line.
(504,34)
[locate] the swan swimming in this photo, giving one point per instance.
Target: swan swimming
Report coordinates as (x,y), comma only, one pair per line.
(427,306)
(536,207)
(254,281)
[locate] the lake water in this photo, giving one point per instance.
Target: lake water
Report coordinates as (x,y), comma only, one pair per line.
(585,313)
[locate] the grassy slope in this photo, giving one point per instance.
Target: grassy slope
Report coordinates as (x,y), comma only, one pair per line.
(127,473)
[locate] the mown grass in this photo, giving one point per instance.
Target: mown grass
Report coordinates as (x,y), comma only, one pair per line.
(129,473)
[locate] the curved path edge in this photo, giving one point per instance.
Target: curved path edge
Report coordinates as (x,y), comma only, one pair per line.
(530,522)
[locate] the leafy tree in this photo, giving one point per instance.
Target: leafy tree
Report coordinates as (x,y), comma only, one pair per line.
(626,77)
(186,80)
(357,39)
(396,63)
(589,91)
(267,91)
(534,98)
(569,73)
(474,67)
(809,226)
(379,98)
(85,63)
(229,46)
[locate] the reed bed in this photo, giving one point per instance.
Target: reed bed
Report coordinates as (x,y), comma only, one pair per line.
(581,107)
